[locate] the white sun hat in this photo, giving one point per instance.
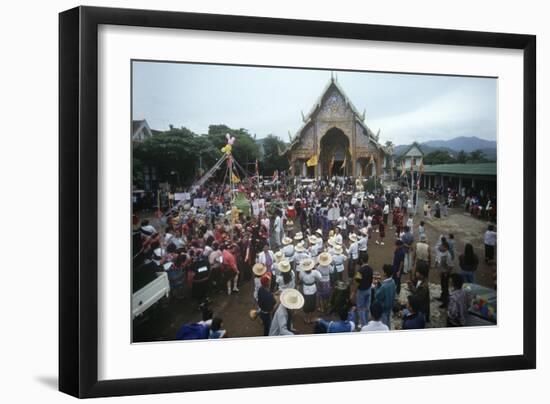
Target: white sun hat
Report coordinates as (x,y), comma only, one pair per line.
(284,266)
(307,264)
(325,259)
(292,299)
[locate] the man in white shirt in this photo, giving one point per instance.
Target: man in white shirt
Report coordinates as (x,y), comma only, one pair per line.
(362,244)
(338,239)
(386,212)
(264,221)
(375,324)
(278,229)
(397,202)
(490,241)
(342,224)
(353,255)
(333,213)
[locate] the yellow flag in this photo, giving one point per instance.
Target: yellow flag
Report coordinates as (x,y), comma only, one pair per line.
(421,167)
(312,161)
(235,179)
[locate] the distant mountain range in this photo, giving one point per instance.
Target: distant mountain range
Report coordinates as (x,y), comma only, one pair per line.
(453,146)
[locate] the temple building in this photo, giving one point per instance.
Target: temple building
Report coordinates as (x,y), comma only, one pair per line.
(334,140)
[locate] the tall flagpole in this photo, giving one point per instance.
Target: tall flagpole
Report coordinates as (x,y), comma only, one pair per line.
(412,180)
(417,192)
(258,176)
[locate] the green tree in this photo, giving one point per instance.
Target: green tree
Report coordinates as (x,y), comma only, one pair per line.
(477,156)
(438,157)
(176,154)
(138,177)
(461,157)
(271,160)
(245,149)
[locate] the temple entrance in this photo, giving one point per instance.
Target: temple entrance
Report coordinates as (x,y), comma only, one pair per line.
(301,169)
(335,158)
(364,168)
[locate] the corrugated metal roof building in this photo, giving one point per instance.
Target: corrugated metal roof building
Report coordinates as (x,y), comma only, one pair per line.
(475,176)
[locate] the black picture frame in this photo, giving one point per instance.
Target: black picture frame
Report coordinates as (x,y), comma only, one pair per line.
(78,196)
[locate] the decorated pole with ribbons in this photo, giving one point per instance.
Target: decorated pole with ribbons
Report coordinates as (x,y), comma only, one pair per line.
(420,173)
(227,149)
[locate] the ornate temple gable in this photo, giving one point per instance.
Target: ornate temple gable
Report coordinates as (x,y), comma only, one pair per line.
(334,107)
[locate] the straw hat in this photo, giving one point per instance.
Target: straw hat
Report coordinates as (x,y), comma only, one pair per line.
(338,249)
(287,240)
(307,264)
(325,259)
(353,237)
(259,269)
(364,231)
(292,299)
(319,232)
(300,247)
(299,236)
(284,266)
(253,314)
(278,256)
(312,239)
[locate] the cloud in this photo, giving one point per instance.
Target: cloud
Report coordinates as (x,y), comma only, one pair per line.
(461,112)
(404,107)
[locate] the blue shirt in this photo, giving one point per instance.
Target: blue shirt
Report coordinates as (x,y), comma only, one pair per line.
(385,294)
(414,321)
(398,257)
(407,238)
(339,326)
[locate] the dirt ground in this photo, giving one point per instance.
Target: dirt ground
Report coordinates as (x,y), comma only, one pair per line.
(162,322)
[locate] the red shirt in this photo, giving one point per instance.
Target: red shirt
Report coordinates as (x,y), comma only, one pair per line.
(229,261)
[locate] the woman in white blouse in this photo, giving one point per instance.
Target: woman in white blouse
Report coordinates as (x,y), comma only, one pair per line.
(286,278)
(338,260)
(309,278)
(325,268)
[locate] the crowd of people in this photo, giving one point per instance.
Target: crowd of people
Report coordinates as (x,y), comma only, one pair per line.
(307,247)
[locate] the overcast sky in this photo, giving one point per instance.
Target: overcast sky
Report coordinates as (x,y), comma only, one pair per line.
(404,107)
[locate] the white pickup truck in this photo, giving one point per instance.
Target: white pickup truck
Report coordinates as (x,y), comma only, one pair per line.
(151,293)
